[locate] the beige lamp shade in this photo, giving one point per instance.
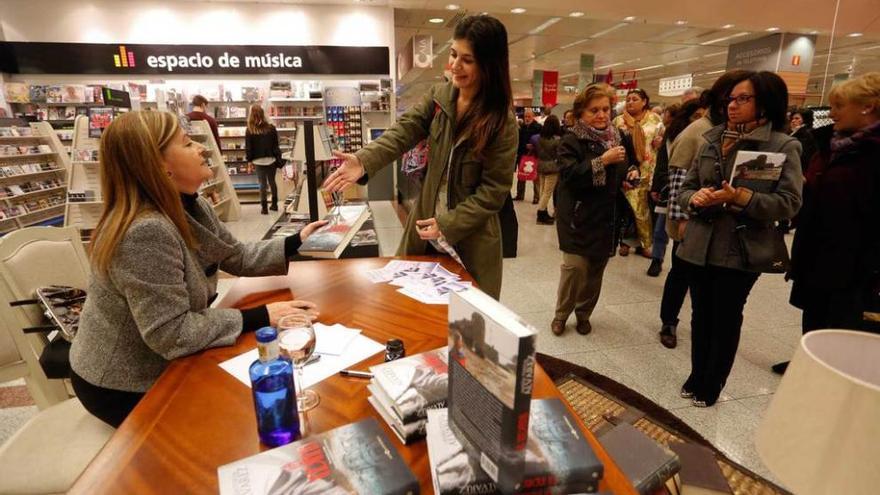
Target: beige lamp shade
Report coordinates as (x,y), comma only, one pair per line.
(821,433)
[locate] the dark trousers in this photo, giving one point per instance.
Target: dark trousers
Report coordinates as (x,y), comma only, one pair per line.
(675,289)
(266,176)
(718,296)
(842,309)
(108,405)
(509,228)
(521,189)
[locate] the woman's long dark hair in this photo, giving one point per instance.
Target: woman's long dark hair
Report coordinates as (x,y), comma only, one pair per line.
(681,118)
(487,114)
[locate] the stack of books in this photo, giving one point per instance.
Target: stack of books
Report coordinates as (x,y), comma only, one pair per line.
(405,389)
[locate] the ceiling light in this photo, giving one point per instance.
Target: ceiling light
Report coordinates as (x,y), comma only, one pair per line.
(453,6)
(609,66)
(681,22)
(715,54)
(576,14)
(650,67)
(715,72)
(435,20)
(542,27)
(516,79)
(578,42)
(854,35)
(518,10)
(682,61)
(725,38)
(727,26)
(629,18)
(772,29)
(611,29)
(814,32)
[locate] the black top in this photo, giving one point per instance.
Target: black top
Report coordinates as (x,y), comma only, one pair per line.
(263,145)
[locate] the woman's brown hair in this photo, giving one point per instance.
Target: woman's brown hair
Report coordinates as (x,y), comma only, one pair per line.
(590,93)
(134,180)
(485,119)
(256,122)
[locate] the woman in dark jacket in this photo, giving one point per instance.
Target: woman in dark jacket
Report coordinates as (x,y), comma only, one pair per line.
(834,262)
(594,158)
(261,147)
(548,169)
(730,237)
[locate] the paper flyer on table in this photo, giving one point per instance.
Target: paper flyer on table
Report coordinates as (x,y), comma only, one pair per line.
(358,349)
(426,282)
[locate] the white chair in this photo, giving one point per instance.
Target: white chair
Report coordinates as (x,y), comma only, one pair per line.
(31,258)
(50,451)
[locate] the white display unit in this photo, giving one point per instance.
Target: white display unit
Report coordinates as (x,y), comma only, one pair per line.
(85,201)
(28,196)
(218,190)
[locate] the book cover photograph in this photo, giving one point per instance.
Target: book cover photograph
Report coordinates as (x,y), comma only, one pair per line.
(53,94)
(99,119)
(16,92)
(758,171)
(491,372)
(38,93)
(73,93)
(357,458)
(415,383)
(558,458)
(647,464)
(330,240)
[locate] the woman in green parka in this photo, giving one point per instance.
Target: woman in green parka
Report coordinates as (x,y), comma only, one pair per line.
(472,139)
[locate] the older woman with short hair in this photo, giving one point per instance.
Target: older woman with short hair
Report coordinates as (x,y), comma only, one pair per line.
(594,160)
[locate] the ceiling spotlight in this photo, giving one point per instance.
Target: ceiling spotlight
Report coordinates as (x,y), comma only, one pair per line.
(518,10)
(814,32)
(629,18)
(435,20)
(681,22)
(772,29)
(727,26)
(453,6)
(516,79)
(853,35)
(576,14)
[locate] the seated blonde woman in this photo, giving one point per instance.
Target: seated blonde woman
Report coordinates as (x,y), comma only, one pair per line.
(155,256)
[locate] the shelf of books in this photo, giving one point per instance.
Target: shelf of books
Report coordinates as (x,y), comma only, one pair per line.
(84,199)
(33,176)
(218,190)
(58,104)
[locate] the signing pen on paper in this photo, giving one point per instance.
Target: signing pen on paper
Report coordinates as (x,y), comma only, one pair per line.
(356,374)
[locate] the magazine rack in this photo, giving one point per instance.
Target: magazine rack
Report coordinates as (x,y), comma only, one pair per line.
(219,190)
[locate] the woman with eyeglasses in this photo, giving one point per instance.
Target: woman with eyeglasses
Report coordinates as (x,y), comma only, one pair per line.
(155,256)
(731,237)
(643,126)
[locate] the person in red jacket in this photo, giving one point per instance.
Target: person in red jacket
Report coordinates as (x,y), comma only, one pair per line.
(199,109)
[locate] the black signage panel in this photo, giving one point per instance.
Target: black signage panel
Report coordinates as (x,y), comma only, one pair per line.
(94,58)
(116,98)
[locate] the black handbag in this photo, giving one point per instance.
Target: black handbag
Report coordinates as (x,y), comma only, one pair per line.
(759,255)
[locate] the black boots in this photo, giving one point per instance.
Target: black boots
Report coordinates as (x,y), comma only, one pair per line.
(544,218)
(655,268)
(667,336)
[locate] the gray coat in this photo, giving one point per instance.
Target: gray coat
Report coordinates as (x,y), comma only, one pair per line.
(152,306)
(712,239)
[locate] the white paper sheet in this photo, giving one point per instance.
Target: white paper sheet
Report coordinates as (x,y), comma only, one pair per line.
(358,349)
(333,339)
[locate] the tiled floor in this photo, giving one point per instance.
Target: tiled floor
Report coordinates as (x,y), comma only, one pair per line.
(623,344)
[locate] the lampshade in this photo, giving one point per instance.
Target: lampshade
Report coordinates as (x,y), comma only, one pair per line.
(821,433)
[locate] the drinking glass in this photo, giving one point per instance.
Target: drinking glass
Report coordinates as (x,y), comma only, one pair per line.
(297,343)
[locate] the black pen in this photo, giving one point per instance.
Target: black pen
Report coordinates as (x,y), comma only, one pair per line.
(356,374)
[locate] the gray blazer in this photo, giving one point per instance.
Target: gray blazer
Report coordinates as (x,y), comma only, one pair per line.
(714,241)
(152,306)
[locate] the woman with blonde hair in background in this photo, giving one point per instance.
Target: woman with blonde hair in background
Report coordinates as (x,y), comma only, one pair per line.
(155,256)
(261,147)
(644,126)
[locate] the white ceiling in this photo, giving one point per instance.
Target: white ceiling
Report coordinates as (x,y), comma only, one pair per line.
(652,39)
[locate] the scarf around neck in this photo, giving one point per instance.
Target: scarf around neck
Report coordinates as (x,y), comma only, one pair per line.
(842,143)
(736,132)
(608,137)
(635,127)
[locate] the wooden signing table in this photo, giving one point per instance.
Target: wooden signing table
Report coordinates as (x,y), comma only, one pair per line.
(197,417)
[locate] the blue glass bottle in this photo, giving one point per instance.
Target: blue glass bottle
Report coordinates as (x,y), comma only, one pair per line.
(274,393)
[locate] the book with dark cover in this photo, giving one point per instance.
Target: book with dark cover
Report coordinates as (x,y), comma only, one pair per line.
(700,473)
(491,373)
(331,240)
(408,433)
(412,385)
(558,459)
(38,93)
(646,463)
(353,459)
(758,171)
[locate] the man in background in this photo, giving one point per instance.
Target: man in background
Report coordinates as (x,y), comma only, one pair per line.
(529,128)
(199,107)
(691,94)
